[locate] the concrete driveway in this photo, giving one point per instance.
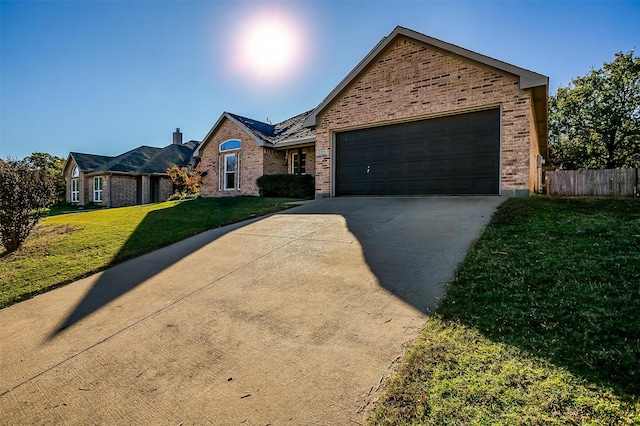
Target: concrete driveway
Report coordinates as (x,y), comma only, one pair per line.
(297,319)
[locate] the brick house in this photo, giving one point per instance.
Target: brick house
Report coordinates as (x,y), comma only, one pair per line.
(238,150)
(136,177)
(417,116)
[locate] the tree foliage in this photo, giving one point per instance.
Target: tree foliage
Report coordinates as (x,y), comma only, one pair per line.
(594,122)
(25,193)
(185,181)
(53,166)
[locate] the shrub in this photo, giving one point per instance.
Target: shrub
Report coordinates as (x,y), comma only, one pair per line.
(25,193)
(286,186)
(185,181)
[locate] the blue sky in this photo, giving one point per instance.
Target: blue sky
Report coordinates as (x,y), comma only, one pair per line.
(104,77)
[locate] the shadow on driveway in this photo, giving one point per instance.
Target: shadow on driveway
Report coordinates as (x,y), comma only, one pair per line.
(122,278)
(412,245)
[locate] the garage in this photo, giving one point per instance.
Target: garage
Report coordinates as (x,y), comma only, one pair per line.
(451,155)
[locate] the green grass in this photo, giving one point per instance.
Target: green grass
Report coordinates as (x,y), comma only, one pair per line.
(540,325)
(66,247)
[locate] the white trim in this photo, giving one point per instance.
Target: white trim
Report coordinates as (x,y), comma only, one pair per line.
(219,172)
(75,193)
(238,169)
(97,189)
(230,149)
(226,173)
(293,163)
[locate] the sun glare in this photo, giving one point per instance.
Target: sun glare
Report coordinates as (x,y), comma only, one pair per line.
(270,47)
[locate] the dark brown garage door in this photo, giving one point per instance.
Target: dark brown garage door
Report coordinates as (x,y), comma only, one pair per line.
(458,154)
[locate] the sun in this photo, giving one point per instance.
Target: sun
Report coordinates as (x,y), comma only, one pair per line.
(270,47)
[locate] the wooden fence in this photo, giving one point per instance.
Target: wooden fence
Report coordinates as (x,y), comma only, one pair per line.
(604,183)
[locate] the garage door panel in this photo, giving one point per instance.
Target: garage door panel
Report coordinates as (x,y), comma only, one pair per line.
(447,155)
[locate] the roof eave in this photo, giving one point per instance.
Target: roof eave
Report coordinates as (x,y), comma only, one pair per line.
(205,141)
(296,142)
(527,79)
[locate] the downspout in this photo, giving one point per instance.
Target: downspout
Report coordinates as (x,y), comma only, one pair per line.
(110,175)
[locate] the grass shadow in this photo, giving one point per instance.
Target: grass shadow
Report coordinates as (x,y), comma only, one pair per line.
(560,279)
(159,229)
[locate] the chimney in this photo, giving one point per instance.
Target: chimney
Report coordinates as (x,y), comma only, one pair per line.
(177,137)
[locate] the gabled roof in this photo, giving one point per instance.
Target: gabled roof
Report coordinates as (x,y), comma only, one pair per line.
(286,133)
(89,161)
(172,155)
(528,79)
(141,160)
(130,161)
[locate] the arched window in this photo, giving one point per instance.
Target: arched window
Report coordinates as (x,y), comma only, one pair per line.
(230,165)
(230,145)
(75,193)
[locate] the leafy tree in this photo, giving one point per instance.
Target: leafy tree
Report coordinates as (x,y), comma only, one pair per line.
(594,123)
(25,193)
(53,166)
(185,181)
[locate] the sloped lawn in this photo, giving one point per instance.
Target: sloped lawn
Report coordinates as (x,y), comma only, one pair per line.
(66,247)
(541,324)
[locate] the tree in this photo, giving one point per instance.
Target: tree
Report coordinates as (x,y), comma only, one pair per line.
(25,193)
(594,123)
(53,166)
(185,181)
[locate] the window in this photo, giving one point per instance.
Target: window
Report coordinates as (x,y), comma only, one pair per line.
(229,177)
(75,193)
(229,171)
(97,189)
(299,168)
(230,145)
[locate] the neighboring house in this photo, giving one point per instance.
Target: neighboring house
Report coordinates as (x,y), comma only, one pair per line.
(138,176)
(417,116)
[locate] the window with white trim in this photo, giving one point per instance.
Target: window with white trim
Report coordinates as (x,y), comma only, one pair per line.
(75,192)
(299,167)
(229,171)
(229,175)
(97,189)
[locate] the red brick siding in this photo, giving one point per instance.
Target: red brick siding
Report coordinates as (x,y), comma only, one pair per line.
(116,191)
(166,188)
(274,162)
(251,162)
(411,80)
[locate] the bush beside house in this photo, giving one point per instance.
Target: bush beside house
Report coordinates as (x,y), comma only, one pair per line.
(287,186)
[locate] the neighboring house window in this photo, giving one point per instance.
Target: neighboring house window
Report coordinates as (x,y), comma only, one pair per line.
(75,193)
(230,170)
(299,167)
(97,189)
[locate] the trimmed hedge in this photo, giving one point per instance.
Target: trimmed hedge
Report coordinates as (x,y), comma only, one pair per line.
(287,186)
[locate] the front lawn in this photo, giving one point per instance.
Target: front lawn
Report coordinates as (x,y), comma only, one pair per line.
(66,247)
(540,325)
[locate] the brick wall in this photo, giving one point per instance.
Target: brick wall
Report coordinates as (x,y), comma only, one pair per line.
(122,190)
(166,188)
(410,80)
(274,162)
(252,159)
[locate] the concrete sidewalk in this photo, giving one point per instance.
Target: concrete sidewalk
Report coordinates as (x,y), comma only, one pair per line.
(296,318)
